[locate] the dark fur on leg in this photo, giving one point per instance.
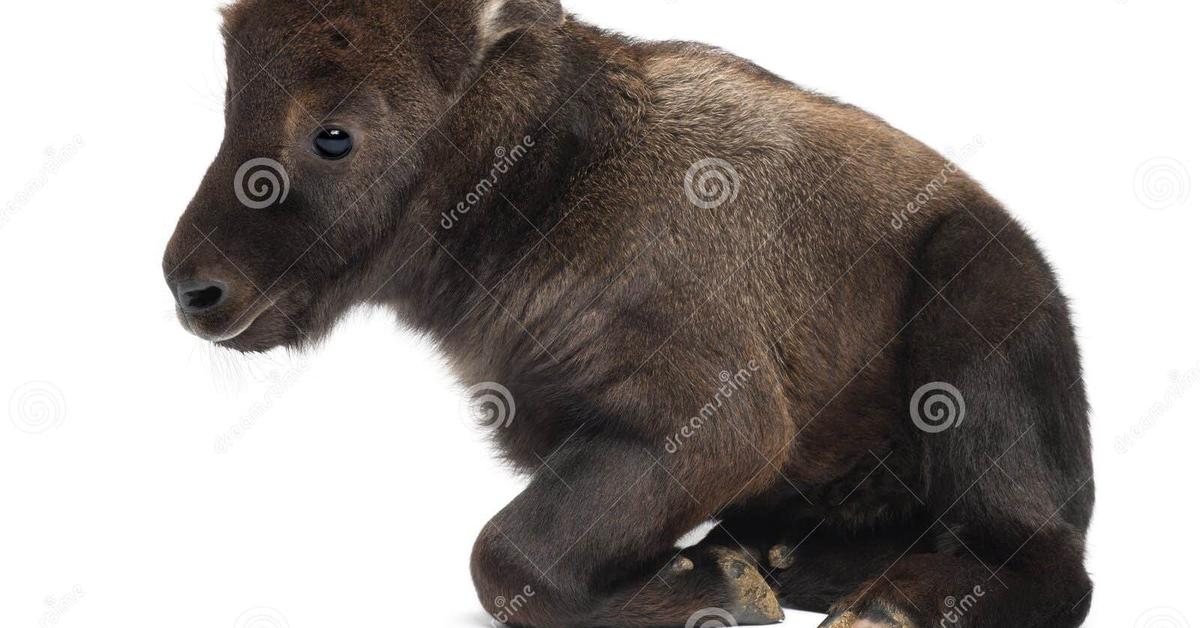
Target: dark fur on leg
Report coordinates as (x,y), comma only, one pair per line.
(590,541)
(1009,490)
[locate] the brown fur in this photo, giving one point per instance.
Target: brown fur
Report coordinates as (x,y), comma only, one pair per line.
(589,284)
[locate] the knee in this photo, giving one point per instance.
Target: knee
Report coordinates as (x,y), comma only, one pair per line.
(514,590)
(495,572)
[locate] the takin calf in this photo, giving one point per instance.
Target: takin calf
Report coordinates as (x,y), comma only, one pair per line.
(712,296)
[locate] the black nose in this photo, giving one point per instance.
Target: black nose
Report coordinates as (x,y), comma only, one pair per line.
(196,296)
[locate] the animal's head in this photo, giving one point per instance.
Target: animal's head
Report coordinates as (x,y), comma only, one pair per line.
(328,112)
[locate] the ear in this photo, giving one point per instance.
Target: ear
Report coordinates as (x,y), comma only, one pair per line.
(497,19)
(480,27)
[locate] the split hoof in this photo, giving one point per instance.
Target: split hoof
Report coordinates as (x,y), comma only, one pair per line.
(753,601)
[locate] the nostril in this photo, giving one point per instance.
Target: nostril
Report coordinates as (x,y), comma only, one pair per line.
(199,296)
(202,299)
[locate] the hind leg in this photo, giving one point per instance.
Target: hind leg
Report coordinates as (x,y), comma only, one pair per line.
(1001,418)
(1046,589)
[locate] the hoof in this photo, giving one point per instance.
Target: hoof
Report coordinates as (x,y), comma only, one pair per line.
(682,564)
(781,557)
(875,617)
(754,604)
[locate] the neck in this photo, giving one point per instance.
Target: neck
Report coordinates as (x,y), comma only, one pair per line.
(505,156)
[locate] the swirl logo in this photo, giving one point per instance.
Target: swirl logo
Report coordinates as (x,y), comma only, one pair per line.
(261,618)
(1162,183)
(710,183)
(261,183)
(711,618)
(1162,618)
(37,407)
(488,405)
(937,407)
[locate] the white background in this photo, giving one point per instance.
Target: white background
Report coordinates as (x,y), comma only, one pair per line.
(354,496)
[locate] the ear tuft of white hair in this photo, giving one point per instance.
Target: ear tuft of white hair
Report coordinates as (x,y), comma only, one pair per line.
(500,18)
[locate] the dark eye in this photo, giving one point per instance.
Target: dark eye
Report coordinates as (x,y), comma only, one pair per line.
(333,143)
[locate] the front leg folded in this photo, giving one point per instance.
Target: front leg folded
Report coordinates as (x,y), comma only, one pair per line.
(590,543)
